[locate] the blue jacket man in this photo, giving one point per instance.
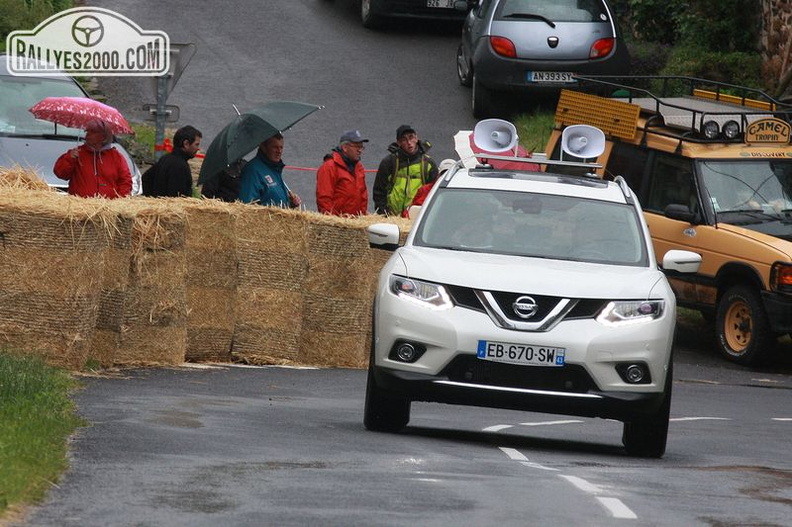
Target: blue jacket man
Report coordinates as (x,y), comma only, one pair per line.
(262,178)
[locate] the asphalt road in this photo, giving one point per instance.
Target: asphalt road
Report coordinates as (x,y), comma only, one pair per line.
(241,446)
(250,52)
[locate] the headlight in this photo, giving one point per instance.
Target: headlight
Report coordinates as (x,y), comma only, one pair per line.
(424,293)
(624,313)
(781,277)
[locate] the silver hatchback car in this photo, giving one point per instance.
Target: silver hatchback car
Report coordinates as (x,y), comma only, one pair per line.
(529,45)
(35,144)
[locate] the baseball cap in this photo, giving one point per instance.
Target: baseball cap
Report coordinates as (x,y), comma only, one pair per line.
(404,129)
(352,136)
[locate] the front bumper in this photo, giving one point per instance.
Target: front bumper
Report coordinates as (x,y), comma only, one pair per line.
(622,406)
(779,311)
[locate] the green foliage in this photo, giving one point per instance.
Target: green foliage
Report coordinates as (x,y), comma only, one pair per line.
(648,58)
(534,129)
(655,20)
(734,68)
(27,14)
(724,26)
(36,418)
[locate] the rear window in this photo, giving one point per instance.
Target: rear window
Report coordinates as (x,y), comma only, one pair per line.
(555,11)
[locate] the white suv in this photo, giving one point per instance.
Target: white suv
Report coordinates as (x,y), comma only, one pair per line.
(526,290)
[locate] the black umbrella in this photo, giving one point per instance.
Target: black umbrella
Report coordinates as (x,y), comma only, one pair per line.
(247,130)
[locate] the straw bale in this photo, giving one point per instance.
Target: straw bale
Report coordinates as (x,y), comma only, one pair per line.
(212,267)
(260,307)
(111,309)
(58,272)
(274,269)
(210,307)
(264,345)
(57,345)
(318,348)
(49,231)
(210,224)
(149,306)
(346,277)
(339,316)
(21,178)
(209,344)
(340,240)
(269,228)
(145,344)
(104,345)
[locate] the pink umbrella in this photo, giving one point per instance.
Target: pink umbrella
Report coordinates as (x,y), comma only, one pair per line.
(77,112)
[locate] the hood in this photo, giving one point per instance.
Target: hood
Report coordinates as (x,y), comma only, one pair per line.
(522,274)
(775,234)
(38,154)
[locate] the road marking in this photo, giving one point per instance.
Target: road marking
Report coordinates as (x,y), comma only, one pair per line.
(543,423)
(496,428)
(700,419)
(582,484)
(514,454)
(781,418)
(617,508)
(531,464)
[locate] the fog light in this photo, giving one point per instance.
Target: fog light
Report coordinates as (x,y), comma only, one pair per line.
(634,373)
(710,130)
(405,352)
(731,129)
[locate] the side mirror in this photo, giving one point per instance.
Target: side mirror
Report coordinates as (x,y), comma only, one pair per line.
(383,236)
(677,211)
(681,261)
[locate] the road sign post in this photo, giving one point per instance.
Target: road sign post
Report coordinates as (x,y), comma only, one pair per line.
(180,55)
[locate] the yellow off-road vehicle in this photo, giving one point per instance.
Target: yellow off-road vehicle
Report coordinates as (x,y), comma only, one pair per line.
(712,166)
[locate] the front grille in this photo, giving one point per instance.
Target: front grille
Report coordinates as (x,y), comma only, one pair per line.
(465,297)
(472,370)
(544,304)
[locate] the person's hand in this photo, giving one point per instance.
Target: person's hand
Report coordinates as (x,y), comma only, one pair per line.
(294,200)
(74,153)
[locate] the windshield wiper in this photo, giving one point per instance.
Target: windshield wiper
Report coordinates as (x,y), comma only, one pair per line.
(529,16)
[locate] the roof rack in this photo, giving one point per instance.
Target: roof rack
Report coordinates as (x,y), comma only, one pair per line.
(691,108)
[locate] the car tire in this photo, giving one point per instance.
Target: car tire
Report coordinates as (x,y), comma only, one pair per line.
(647,437)
(742,327)
(368,14)
(383,413)
(481,98)
(464,68)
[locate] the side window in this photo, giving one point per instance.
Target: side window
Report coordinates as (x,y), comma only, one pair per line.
(482,8)
(670,181)
(630,162)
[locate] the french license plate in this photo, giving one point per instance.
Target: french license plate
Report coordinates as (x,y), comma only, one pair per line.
(445,4)
(550,76)
(527,354)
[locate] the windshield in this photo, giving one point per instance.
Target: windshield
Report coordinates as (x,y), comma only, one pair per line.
(536,225)
(761,186)
(556,11)
(17,94)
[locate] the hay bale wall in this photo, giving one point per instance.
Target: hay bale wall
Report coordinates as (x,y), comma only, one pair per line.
(161,281)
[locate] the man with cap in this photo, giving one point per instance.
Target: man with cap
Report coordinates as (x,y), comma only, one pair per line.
(402,172)
(341,180)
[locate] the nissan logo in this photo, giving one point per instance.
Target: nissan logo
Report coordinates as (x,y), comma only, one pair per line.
(525,307)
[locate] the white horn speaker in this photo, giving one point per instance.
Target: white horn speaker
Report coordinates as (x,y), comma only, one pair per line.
(495,135)
(582,140)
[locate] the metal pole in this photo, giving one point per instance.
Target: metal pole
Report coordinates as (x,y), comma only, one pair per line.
(159,130)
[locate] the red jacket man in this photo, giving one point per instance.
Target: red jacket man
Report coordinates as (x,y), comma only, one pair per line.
(341,180)
(95,168)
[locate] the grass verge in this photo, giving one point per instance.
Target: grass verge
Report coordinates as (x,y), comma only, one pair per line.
(36,418)
(534,129)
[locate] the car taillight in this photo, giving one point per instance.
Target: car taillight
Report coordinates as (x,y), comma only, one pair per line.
(504,47)
(781,277)
(601,48)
